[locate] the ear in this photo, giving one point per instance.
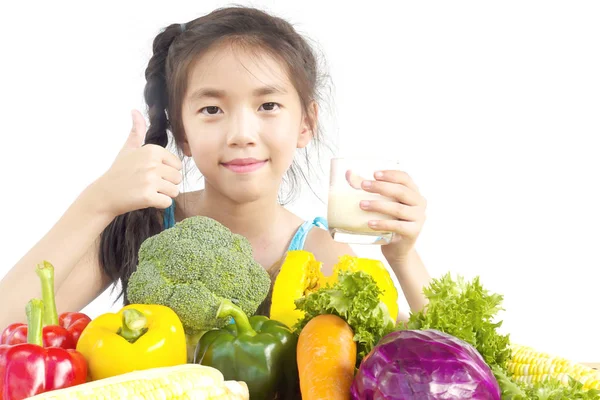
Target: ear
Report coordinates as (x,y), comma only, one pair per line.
(308,126)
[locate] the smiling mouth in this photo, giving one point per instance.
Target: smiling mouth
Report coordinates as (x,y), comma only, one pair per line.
(241,166)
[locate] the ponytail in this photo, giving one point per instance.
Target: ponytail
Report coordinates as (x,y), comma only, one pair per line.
(122,238)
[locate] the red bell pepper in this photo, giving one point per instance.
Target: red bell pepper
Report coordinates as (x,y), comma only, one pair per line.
(74,323)
(63,331)
(28,369)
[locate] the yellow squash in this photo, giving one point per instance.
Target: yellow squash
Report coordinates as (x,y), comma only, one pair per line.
(138,337)
(300,274)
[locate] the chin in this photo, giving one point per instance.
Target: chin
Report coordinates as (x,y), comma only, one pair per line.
(243,188)
(241,193)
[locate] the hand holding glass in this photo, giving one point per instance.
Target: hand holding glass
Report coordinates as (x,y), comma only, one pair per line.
(348,222)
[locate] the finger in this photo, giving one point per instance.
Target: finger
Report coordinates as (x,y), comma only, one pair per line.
(170,174)
(167,188)
(353,179)
(395,191)
(160,200)
(396,177)
(138,131)
(165,156)
(402,228)
(172,160)
(393,209)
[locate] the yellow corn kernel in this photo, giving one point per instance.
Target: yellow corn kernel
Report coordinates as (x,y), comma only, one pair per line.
(181,382)
(531,366)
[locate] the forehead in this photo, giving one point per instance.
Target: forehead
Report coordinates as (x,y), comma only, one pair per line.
(233,67)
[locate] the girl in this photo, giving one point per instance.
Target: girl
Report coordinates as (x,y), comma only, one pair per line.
(237,89)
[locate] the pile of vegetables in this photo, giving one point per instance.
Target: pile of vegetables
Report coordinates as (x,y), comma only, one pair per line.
(194,330)
(391,362)
(466,310)
(451,350)
(140,351)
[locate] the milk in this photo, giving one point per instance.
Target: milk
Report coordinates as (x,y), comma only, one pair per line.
(344,212)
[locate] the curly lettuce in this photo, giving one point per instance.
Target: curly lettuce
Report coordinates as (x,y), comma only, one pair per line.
(354,297)
(467,311)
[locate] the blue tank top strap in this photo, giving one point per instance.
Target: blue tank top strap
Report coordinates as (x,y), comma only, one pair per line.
(169,216)
(299,238)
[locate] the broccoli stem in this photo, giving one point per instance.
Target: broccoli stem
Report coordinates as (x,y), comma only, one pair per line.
(228,309)
(34,311)
(135,324)
(45,271)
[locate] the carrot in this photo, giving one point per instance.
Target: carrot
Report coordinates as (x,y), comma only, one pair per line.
(326,356)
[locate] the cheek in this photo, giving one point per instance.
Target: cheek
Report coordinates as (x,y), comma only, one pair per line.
(204,149)
(283,131)
(282,146)
(202,140)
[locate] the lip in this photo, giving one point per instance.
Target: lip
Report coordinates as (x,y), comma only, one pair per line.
(244,165)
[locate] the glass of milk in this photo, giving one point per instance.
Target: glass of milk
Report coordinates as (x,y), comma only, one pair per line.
(348,222)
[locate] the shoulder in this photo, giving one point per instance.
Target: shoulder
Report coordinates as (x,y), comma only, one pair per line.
(325,249)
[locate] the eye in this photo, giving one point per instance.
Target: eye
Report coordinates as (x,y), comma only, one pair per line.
(269,107)
(211,110)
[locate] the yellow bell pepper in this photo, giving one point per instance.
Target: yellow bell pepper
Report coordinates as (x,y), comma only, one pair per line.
(138,337)
(300,274)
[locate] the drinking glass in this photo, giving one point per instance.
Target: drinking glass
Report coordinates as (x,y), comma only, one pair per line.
(347,221)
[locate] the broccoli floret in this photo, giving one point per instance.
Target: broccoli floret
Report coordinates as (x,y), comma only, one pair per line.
(148,280)
(192,266)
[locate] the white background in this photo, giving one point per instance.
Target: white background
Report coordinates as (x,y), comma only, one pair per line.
(493,109)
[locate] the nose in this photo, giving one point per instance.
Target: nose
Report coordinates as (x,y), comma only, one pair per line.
(243,129)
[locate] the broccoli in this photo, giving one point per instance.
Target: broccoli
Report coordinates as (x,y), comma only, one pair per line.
(192,266)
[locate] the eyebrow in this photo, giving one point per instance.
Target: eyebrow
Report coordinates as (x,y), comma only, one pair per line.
(219,94)
(270,89)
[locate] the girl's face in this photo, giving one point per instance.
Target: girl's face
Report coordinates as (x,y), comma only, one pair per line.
(243,121)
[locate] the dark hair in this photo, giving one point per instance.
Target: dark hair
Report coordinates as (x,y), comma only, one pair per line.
(174,51)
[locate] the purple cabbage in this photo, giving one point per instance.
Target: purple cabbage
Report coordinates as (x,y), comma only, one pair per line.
(426,364)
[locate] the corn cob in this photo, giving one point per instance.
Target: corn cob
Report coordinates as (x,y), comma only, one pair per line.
(530,366)
(186,381)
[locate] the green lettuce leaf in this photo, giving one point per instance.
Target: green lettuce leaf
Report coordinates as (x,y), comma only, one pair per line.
(355,298)
(467,311)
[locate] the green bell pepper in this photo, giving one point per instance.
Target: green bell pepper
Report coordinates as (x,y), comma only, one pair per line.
(256,350)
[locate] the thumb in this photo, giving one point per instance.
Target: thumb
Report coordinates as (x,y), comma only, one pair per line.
(138,131)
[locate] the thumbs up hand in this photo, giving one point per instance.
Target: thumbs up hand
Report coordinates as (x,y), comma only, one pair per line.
(141,176)
(137,134)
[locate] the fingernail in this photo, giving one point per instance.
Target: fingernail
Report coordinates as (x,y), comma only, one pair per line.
(367,184)
(365,204)
(372,224)
(378,174)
